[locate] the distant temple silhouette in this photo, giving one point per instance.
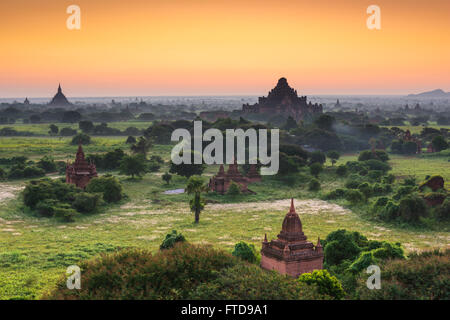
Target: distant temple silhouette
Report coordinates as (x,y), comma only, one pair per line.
(291,253)
(80,172)
(283,100)
(59,100)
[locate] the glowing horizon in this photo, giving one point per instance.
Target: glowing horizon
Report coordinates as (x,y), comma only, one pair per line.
(218,47)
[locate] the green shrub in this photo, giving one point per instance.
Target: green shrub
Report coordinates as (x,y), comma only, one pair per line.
(354,196)
(46,207)
(341,245)
(411,208)
(47,164)
(39,190)
(109,186)
(33,172)
(422,276)
(376,165)
(365,189)
(183,272)
(233,189)
(364,260)
(443,211)
(317,157)
(65,213)
(403,191)
(387,188)
(335,194)
(314,185)
(381,202)
(325,282)
(86,202)
(409,181)
(315,169)
(389,212)
(377,189)
(170,240)
(380,155)
(375,175)
(389,179)
(166,177)
(245,251)
(354,166)
(341,170)
(81,138)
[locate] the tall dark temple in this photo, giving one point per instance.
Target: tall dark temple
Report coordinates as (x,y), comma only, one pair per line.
(283,100)
(59,100)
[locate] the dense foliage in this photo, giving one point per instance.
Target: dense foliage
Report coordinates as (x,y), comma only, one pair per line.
(183,272)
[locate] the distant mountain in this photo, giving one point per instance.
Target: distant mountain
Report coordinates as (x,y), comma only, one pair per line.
(438,93)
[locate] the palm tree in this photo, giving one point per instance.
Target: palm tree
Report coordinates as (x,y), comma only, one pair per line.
(196,186)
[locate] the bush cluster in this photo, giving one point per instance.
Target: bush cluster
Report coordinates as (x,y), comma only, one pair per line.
(183,272)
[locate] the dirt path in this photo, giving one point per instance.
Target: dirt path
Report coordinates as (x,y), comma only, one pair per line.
(8,191)
(310,206)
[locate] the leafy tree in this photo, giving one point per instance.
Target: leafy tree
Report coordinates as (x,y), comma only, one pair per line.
(315,168)
(287,164)
(325,122)
(317,156)
(133,165)
(326,283)
(412,207)
(81,138)
(47,163)
(294,150)
(142,146)
(290,124)
(439,143)
(187,170)
(167,177)
(131,140)
(334,156)
(65,132)
(341,170)
(53,130)
(71,116)
(409,147)
(314,185)
(86,126)
(196,186)
(245,251)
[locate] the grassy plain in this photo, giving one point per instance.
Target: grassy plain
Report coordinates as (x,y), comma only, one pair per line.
(35,251)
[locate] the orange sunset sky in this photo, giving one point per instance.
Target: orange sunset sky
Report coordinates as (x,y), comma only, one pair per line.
(208,47)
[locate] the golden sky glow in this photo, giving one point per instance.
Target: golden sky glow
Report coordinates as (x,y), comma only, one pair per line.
(179,47)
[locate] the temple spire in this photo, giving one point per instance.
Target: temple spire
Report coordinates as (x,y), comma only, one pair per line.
(292,209)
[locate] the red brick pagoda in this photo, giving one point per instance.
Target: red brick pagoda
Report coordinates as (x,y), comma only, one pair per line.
(221,182)
(291,254)
(80,172)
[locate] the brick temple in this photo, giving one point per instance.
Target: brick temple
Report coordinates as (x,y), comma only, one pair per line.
(221,182)
(283,100)
(80,172)
(291,253)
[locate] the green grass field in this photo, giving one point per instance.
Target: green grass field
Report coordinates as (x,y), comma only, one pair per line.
(36,251)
